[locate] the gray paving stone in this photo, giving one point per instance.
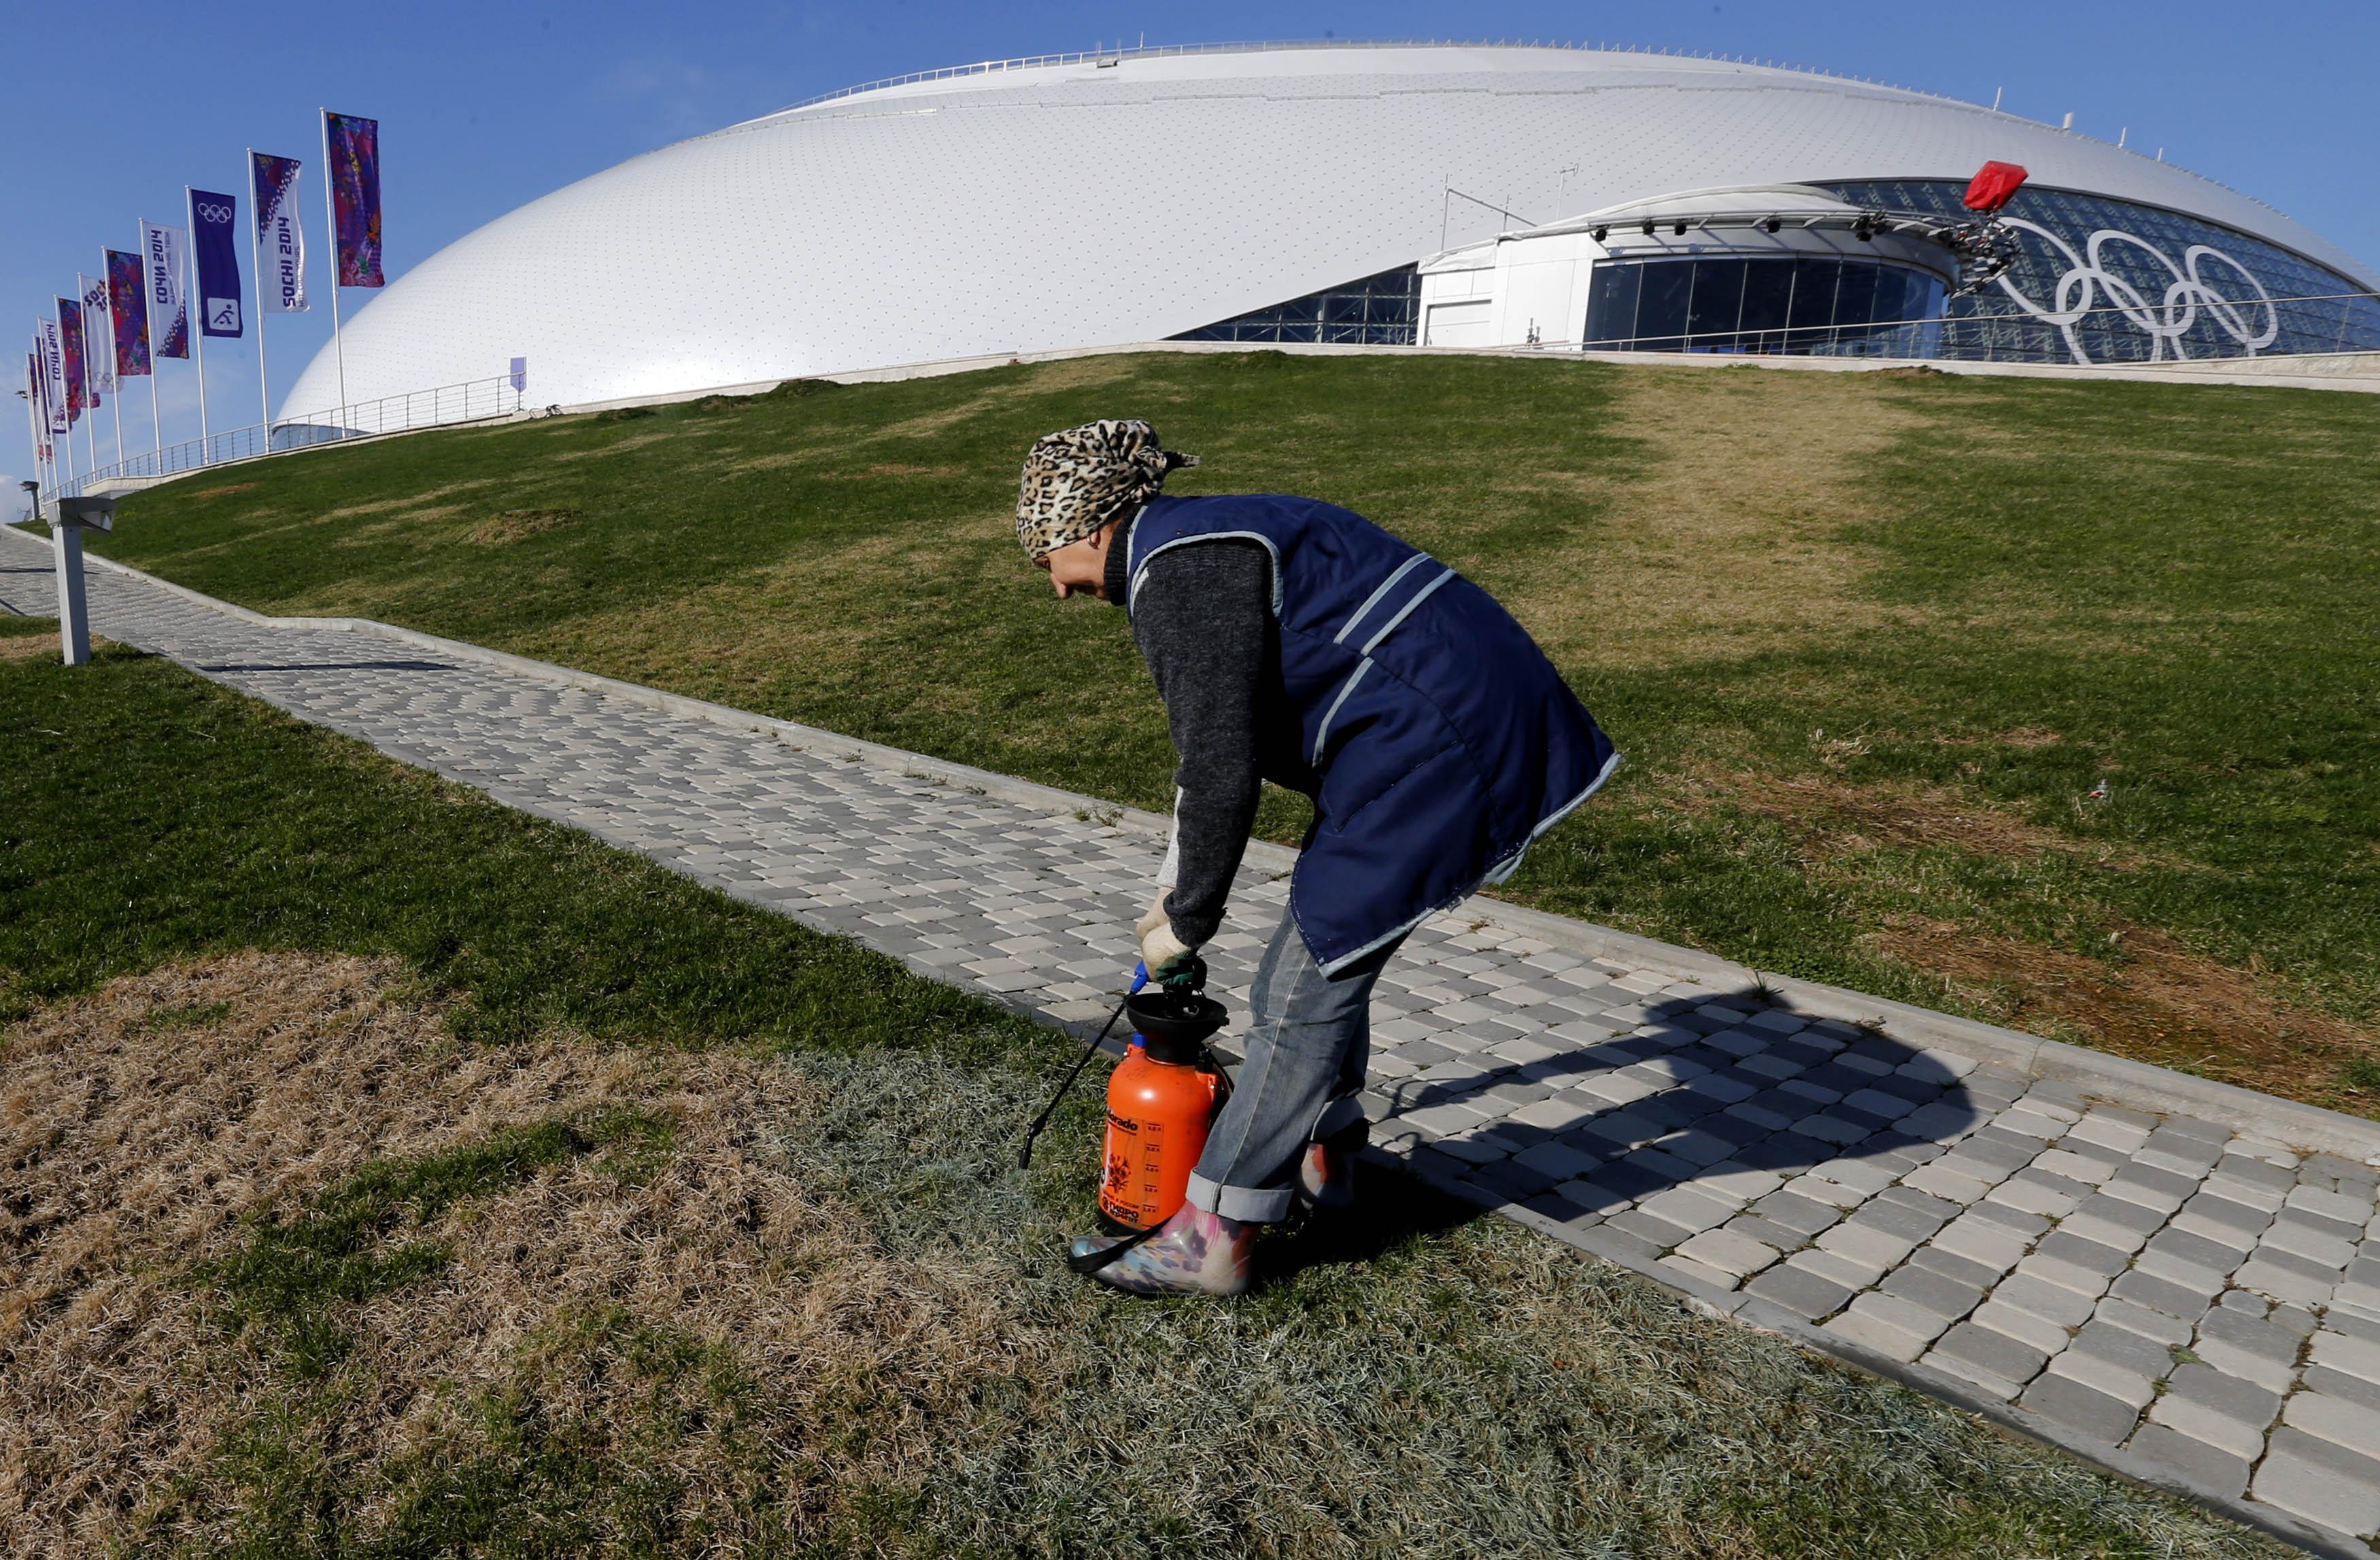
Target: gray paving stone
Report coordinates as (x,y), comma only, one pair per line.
(2320,1482)
(2208,1468)
(1944,1296)
(1957,1268)
(2003,1355)
(2158,1294)
(1800,1291)
(2052,1302)
(2081,1409)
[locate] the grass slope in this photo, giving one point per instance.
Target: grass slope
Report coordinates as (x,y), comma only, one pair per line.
(2049,702)
(517,1197)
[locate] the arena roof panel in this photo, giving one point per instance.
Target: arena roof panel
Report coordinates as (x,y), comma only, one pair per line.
(1070,203)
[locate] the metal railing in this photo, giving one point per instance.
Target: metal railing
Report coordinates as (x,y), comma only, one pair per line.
(2111,336)
(473,401)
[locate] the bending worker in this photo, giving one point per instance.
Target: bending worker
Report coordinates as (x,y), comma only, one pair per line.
(1296,642)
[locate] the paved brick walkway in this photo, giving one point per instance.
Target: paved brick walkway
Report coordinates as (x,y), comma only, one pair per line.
(2175,1297)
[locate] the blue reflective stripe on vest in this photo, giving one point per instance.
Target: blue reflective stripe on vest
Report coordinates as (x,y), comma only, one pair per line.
(1322,733)
(1441,742)
(1373,598)
(1405,611)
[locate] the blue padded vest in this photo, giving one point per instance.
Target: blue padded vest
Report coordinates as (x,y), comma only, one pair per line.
(1438,740)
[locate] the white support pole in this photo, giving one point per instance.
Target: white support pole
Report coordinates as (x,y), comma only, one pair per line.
(198,326)
(330,212)
(256,264)
(156,424)
(74,618)
(34,424)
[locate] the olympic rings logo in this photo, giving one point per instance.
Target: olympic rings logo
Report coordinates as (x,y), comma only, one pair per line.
(2164,322)
(210,211)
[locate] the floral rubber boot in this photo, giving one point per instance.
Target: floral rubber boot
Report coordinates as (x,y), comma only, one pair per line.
(1326,1172)
(1195,1253)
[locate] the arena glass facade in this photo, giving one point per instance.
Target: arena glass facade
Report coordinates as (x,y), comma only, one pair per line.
(2106,281)
(2098,280)
(1815,305)
(1377,311)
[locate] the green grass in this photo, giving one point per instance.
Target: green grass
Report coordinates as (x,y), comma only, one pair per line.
(294,1275)
(1414,1381)
(1967,597)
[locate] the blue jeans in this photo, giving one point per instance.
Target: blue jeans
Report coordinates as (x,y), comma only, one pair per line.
(1307,1047)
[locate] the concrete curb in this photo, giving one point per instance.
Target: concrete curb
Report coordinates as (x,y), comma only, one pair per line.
(2284,1121)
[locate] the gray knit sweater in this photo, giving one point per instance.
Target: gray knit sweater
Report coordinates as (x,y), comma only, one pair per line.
(1204,623)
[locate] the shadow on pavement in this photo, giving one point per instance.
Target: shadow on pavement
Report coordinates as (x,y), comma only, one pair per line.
(1729,1097)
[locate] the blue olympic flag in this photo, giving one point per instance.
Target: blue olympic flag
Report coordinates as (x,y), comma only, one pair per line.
(213,223)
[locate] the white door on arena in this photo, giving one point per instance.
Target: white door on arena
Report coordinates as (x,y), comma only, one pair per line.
(1457,325)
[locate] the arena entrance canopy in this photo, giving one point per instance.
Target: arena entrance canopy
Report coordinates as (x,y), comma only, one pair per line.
(1769,269)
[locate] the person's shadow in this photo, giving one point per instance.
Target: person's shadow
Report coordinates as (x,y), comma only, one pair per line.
(1756,1112)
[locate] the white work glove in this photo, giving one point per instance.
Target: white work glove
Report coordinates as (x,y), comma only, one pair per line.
(1158,943)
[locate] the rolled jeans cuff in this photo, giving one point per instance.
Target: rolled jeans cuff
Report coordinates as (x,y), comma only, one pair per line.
(1245,1205)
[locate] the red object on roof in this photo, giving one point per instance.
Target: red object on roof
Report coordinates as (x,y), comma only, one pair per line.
(1994,186)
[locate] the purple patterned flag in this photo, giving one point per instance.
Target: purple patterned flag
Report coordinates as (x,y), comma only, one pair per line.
(127,313)
(352,146)
(169,309)
(281,242)
(70,355)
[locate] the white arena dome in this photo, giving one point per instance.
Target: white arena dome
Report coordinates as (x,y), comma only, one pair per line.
(1285,192)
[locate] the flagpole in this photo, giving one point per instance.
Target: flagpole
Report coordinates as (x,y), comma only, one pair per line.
(196,310)
(61,440)
(331,210)
(256,264)
(39,424)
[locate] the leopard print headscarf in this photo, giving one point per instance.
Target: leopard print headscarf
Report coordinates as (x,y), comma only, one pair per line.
(1078,479)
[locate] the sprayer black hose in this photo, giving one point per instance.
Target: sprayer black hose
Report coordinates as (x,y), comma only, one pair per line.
(1024,1152)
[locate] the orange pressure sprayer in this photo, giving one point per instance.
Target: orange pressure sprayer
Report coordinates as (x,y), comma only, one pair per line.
(1161,1101)
(1162,1098)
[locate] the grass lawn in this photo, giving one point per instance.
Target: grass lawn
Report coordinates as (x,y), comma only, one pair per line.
(393,1175)
(2048,703)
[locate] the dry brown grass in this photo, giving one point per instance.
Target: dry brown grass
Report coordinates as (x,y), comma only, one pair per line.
(2150,999)
(1072,374)
(1727,540)
(1832,817)
(512,525)
(2161,1003)
(618,446)
(145,1124)
(28,647)
(223,491)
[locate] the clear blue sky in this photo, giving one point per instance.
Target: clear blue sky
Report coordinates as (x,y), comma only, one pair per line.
(488,104)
